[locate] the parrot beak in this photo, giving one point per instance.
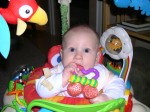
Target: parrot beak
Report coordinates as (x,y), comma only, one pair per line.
(21,27)
(40,17)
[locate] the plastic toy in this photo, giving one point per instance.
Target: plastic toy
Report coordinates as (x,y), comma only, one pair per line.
(4,38)
(15,88)
(125,51)
(82,85)
(54,57)
(65,11)
(103,107)
(83,80)
(115,68)
(18,12)
(22,11)
(136,4)
(97,74)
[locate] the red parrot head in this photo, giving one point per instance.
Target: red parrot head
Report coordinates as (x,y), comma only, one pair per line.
(24,11)
(54,55)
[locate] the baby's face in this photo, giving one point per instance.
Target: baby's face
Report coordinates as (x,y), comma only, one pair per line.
(82,49)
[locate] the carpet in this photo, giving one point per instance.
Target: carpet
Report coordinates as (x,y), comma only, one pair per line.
(22,52)
(139,75)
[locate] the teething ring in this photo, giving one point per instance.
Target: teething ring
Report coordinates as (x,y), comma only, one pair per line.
(91,70)
(83,85)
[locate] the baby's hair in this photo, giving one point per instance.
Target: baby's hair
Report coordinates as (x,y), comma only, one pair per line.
(80,28)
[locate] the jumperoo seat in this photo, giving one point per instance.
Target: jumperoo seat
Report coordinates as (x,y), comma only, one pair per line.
(115,43)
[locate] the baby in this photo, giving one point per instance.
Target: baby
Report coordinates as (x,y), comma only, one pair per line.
(80,48)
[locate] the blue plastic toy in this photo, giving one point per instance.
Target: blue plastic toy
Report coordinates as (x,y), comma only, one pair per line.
(143,5)
(4,38)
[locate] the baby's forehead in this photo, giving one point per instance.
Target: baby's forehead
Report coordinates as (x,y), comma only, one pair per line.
(80,31)
(81,38)
(85,32)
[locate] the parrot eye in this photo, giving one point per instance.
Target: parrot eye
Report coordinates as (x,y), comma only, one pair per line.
(55,59)
(25,11)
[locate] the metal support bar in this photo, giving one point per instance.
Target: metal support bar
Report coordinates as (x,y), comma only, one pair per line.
(95,15)
(51,15)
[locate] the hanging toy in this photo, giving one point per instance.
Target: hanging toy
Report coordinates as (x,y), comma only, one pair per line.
(21,11)
(82,85)
(143,5)
(18,13)
(4,38)
(65,14)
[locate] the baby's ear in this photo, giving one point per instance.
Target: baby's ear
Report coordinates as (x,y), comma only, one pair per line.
(97,58)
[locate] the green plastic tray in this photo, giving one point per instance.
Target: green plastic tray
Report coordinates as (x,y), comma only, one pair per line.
(58,107)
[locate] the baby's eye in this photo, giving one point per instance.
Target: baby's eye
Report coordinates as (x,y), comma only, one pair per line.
(87,50)
(72,49)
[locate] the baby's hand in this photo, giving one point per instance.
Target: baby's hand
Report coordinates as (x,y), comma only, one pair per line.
(100,98)
(67,72)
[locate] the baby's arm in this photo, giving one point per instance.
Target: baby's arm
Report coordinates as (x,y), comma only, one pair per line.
(100,98)
(49,87)
(55,83)
(67,72)
(113,90)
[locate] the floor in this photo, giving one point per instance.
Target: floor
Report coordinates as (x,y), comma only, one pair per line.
(22,52)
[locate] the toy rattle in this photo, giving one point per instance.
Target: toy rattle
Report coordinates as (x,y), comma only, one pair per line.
(82,85)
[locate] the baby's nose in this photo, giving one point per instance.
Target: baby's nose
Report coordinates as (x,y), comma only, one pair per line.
(78,56)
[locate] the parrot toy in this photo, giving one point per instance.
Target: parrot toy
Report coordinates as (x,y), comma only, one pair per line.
(18,12)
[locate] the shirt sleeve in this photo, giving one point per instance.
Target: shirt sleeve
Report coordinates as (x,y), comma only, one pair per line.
(55,81)
(115,88)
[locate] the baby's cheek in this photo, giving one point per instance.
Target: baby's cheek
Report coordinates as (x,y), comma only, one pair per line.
(91,65)
(66,61)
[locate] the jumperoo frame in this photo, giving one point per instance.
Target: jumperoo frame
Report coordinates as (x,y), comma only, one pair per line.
(101,107)
(125,54)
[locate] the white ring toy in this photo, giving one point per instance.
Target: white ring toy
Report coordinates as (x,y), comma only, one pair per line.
(124,38)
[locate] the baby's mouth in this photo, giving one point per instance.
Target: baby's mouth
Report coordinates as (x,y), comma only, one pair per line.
(79,67)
